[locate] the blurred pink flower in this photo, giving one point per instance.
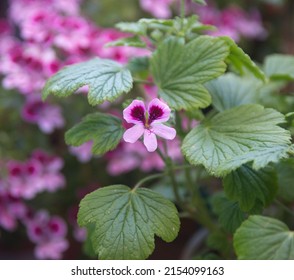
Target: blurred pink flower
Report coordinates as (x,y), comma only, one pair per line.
(148,123)
(82,152)
(39,173)
(48,233)
(11,209)
(47,116)
(157,8)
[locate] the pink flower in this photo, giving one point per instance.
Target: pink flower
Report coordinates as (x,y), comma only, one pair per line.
(48,233)
(148,122)
(158,8)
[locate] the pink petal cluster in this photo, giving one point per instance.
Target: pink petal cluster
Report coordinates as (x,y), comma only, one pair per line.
(11,209)
(148,122)
(48,233)
(82,152)
(41,172)
(157,8)
(37,42)
(232,21)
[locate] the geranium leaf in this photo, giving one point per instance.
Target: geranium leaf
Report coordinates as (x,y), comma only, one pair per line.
(230,90)
(241,61)
(248,186)
(104,130)
(127,220)
(230,215)
(106,80)
(180,70)
(227,140)
(279,67)
(264,238)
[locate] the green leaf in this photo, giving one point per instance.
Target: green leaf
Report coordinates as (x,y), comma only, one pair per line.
(229,91)
(132,27)
(127,220)
(202,2)
(230,215)
(138,64)
(106,80)
(248,186)
(241,61)
(279,67)
(264,238)
(104,130)
(285,171)
(227,140)
(180,70)
(128,42)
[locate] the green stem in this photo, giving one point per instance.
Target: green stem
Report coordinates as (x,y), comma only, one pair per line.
(143,82)
(284,207)
(183,8)
(149,178)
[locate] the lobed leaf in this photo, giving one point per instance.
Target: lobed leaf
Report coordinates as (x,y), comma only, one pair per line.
(227,140)
(264,238)
(104,130)
(180,70)
(249,186)
(106,80)
(127,220)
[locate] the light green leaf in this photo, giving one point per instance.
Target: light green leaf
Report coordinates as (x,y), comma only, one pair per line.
(279,67)
(129,42)
(248,186)
(106,80)
(285,171)
(127,220)
(138,64)
(104,130)
(227,140)
(202,2)
(230,216)
(230,90)
(264,238)
(132,27)
(241,61)
(180,70)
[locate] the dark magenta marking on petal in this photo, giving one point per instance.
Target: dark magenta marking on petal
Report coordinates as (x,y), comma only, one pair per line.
(138,113)
(155,112)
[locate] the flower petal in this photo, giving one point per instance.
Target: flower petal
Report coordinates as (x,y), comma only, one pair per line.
(150,141)
(158,111)
(135,112)
(132,134)
(164,131)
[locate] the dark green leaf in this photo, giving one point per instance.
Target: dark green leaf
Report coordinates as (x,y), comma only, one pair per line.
(180,70)
(264,238)
(230,216)
(104,130)
(285,171)
(248,186)
(234,137)
(106,80)
(127,220)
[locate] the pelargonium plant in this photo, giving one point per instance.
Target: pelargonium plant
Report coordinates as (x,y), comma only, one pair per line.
(188,102)
(240,137)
